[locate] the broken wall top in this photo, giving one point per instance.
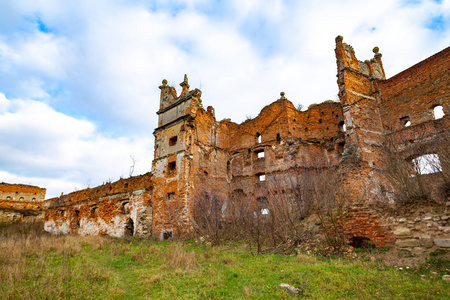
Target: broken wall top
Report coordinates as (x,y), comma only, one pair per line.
(21,191)
(128,185)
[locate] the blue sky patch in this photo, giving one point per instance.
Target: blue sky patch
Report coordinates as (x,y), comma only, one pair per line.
(262,34)
(437,23)
(42,26)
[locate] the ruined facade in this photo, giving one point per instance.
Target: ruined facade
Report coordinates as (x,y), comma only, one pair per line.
(121,208)
(19,200)
(194,151)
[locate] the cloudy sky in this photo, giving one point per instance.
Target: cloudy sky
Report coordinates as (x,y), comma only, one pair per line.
(79,79)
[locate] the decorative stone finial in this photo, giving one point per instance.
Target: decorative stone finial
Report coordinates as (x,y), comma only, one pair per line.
(282,95)
(376,50)
(185,82)
(164,84)
(339,38)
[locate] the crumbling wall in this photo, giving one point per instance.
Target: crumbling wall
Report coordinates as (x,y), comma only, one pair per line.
(116,209)
(195,154)
(387,118)
(19,201)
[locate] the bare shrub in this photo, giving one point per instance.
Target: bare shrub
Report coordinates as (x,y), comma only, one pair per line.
(416,169)
(270,219)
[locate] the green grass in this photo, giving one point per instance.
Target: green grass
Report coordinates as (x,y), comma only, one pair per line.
(39,266)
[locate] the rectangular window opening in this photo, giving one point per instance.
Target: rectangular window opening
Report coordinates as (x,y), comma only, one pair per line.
(173,141)
(260,153)
(170,196)
(438,112)
(262,177)
(427,164)
(172,166)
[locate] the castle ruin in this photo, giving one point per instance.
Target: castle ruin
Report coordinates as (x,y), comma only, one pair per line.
(406,115)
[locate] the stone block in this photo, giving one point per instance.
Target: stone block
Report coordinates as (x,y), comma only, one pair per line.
(443,243)
(407,243)
(426,242)
(402,231)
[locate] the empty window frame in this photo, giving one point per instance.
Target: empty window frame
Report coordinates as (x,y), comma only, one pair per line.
(405,121)
(172,166)
(342,127)
(261,177)
(438,112)
(171,196)
(258,138)
(93,211)
(265,211)
(173,141)
(427,164)
(125,207)
(260,153)
(77,217)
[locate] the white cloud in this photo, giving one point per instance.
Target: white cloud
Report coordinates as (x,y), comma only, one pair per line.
(39,142)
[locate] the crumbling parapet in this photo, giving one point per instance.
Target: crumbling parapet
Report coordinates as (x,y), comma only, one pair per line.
(19,200)
(117,209)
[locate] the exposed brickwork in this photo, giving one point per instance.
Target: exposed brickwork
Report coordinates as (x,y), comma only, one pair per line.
(119,208)
(193,150)
(362,222)
(19,200)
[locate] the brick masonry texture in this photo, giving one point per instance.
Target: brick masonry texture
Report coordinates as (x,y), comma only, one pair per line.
(194,151)
(19,200)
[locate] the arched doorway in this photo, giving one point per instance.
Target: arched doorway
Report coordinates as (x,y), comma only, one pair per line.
(129,227)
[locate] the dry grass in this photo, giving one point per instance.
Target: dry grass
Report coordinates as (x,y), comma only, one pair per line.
(36,265)
(24,257)
(180,258)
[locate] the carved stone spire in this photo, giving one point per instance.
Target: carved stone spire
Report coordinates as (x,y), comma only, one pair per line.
(185,86)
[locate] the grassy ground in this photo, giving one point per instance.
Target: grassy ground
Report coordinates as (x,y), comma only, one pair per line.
(34,265)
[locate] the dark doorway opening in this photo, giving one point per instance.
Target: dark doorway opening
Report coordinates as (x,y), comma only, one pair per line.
(129,227)
(77,217)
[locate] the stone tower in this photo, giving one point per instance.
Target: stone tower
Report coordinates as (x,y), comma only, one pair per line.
(172,163)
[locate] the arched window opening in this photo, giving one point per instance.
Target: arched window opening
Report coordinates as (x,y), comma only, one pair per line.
(438,112)
(258,138)
(77,217)
(93,211)
(125,207)
(427,164)
(405,121)
(361,243)
(260,153)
